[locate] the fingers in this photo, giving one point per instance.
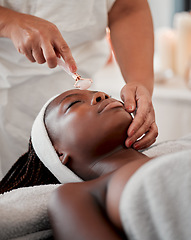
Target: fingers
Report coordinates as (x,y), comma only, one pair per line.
(143,130)
(27,52)
(29,55)
(38,55)
(49,54)
(143,118)
(145,135)
(148,139)
(143,124)
(41,55)
(145,138)
(140,131)
(41,41)
(64,50)
(128,97)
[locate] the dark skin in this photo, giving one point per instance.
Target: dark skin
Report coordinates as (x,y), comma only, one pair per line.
(88,130)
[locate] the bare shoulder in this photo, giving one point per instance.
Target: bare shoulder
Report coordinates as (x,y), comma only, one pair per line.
(73,193)
(116,186)
(78,205)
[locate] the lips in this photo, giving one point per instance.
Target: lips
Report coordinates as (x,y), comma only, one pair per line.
(107,105)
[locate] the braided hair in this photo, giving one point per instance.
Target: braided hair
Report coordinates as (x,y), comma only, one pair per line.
(27,171)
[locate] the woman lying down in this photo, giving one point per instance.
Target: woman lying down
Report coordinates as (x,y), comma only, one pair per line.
(79,135)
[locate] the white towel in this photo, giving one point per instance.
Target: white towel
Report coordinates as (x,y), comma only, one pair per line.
(171,146)
(23,213)
(46,152)
(155,204)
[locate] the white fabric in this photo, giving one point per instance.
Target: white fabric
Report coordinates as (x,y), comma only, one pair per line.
(24,213)
(26,86)
(46,152)
(155,203)
(167,147)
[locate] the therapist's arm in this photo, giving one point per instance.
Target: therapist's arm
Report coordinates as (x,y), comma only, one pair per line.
(132,39)
(39,40)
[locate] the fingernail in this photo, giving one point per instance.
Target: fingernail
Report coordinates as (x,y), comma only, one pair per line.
(129,143)
(130,107)
(136,146)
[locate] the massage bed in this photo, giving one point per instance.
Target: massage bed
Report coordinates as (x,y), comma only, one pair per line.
(23,212)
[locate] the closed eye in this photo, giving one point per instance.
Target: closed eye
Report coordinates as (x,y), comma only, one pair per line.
(72,103)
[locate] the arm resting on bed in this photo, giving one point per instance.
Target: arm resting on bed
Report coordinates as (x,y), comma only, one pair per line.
(75,213)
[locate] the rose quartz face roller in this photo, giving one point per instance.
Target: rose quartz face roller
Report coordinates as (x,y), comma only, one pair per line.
(81,83)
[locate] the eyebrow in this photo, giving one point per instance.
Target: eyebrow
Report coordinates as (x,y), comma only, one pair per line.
(71,95)
(68,96)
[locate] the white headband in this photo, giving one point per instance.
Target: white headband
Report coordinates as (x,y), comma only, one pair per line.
(46,152)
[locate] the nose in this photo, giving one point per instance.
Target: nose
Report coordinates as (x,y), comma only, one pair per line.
(98,97)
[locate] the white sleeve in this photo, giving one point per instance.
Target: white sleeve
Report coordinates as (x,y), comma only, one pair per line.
(110,4)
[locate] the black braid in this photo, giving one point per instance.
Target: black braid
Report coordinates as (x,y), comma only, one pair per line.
(27,171)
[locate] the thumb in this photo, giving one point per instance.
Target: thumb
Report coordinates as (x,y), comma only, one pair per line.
(128,97)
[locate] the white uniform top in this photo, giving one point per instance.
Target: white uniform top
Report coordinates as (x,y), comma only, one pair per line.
(25,86)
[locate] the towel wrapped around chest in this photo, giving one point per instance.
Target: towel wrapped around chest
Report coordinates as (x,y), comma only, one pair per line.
(155,203)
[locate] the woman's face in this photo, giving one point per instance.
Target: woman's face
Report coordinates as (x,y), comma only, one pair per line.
(86,124)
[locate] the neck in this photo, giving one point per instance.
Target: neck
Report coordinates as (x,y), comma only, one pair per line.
(113,161)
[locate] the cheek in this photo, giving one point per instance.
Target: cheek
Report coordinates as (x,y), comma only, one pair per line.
(116,121)
(114,131)
(75,129)
(89,132)
(102,133)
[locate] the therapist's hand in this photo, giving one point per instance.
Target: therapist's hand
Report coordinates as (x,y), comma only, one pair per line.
(143,125)
(39,40)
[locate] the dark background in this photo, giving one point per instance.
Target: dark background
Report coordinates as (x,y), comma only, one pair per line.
(187,5)
(182,5)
